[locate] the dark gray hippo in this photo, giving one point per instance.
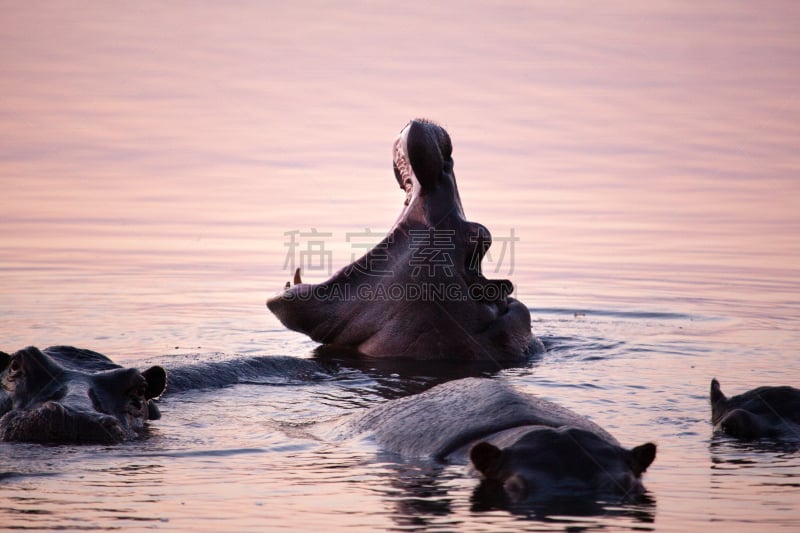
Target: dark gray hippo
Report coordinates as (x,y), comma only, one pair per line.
(764,412)
(420,292)
(66,394)
(522,445)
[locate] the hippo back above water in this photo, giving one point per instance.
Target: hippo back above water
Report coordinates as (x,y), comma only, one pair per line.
(66,394)
(526,446)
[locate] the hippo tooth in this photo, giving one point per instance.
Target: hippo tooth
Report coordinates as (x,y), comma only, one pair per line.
(410,182)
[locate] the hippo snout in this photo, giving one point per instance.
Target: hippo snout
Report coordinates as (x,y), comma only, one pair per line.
(55,422)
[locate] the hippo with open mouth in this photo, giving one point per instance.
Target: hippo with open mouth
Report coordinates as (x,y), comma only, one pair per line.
(524,447)
(65,394)
(763,412)
(420,292)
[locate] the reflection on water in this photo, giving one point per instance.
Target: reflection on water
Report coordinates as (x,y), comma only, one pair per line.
(770,457)
(155,156)
(400,377)
(765,468)
(567,510)
(417,493)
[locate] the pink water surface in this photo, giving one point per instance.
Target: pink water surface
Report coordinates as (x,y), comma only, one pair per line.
(155,156)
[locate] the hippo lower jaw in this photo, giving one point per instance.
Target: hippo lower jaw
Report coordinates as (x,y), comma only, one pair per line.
(52,422)
(504,335)
(498,331)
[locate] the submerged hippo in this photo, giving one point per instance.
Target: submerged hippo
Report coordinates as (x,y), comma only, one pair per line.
(66,394)
(419,293)
(764,412)
(522,445)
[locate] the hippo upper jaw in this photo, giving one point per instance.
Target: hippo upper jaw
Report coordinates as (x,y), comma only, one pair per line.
(420,292)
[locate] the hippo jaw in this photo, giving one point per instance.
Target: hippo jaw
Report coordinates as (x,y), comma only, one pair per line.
(50,404)
(420,292)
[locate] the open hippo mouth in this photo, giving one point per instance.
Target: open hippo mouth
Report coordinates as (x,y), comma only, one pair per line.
(420,292)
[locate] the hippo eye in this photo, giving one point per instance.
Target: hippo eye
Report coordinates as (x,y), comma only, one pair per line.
(137,397)
(15,367)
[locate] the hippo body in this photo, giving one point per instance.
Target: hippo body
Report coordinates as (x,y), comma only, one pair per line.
(763,412)
(66,394)
(526,446)
(420,293)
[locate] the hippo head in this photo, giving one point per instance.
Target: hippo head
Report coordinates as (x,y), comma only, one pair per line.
(42,401)
(764,412)
(420,292)
(545,462)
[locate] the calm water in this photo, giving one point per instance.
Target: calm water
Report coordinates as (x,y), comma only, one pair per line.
(157,159)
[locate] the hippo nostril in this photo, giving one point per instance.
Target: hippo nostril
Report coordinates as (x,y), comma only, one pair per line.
(477,243)
(506,288)
(494,291)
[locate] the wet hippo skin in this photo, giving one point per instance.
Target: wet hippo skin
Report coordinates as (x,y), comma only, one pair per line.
(522,445)
(763,412)
(66,394)
(420,293)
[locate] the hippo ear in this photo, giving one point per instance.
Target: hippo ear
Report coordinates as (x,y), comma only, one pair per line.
(485,457)
(718,402)
(156,378)
(5,360)
(716,392)
(424,155)
(641,457)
